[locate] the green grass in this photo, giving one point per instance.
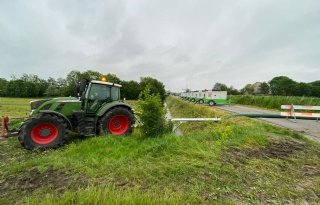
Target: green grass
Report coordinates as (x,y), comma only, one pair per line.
(237,161)
(15,107)
(274,102)
(107,195)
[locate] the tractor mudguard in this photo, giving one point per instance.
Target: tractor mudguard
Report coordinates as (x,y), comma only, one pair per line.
(108,106)
(59,115)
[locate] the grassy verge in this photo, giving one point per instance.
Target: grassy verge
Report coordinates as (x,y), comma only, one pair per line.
(274,102)
(238,161)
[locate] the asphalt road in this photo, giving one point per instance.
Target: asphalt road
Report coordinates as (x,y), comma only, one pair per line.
(310,128)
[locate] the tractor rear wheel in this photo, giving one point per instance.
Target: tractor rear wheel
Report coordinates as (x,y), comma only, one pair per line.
(118,121)
(44,131)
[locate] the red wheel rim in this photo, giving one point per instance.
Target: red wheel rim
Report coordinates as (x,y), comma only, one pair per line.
(119,124)
(44,133)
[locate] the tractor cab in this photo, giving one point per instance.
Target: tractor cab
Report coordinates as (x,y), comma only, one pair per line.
(98,93)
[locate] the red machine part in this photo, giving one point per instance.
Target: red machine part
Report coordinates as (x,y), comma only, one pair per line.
(4,126)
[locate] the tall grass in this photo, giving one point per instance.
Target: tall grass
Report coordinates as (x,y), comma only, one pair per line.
(274,102)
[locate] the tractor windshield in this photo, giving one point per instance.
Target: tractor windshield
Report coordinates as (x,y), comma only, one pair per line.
(100,94)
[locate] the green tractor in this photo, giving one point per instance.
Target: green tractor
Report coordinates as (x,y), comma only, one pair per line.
(99,111)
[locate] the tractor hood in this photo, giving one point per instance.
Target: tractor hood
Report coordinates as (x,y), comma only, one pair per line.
(61,104)
(36,103)
(66,99)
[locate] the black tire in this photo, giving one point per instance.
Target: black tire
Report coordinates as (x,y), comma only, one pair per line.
(211,103)
(46,137)
(201,101)
(193,100)
(107,124)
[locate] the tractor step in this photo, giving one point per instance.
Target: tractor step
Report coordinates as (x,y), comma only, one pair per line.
(86,124)
(90,126)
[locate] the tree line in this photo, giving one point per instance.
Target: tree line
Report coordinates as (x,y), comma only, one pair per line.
(29,85)
(281,85)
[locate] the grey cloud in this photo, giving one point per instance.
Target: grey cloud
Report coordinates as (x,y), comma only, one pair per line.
(182,43)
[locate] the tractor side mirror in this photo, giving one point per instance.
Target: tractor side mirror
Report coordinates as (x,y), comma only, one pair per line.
(83,84)
(75,90)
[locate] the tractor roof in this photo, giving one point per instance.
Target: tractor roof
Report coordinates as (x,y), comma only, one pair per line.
(106,83)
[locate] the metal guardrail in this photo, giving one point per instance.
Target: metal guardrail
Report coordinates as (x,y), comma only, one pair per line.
(194,119)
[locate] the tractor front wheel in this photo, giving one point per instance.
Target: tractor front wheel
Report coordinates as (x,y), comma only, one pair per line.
(118,121)
(45,131)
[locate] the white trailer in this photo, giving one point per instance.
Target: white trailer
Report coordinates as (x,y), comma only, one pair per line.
(213,97)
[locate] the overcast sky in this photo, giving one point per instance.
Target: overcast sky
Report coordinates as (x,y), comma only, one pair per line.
(193,43)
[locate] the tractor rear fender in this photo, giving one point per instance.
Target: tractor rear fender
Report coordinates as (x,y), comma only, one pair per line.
(59,115)
(109,106)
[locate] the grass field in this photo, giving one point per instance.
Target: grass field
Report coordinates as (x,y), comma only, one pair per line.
(15,107)
(274,102)
(237,161)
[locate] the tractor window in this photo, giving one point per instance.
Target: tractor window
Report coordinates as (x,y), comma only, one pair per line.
(100,92)
(115,93)
(98,95)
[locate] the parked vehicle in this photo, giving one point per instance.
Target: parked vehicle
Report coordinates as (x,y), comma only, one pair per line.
(210,97)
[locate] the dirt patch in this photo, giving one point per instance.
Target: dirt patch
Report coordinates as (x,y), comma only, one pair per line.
(275,149)
(310,171)
(30,180)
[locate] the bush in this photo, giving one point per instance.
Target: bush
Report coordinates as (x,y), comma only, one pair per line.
(152,115)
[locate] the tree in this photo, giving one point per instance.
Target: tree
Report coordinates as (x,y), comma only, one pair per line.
(52,91)
(72,79)
(283,85)
(33,85)
(248,89)
(90,75)
(304,89)
(155,86)
(113,78)
(232,91)
(16,88)
(315,88)
(130,90)
(62,85)
(315,83)
(3,87)
(220,86)
(264,88)
(315,91)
